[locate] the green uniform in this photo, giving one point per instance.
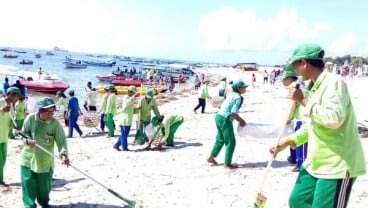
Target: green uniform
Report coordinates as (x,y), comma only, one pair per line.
(225,130)
(334,148)
(36,165)
(110,111)
(5,124)
(145,118)
(20,111)
(203,92)
(127,111)
(169,128)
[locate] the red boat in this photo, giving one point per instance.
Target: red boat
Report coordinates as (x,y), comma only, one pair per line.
(106,78)
(45,86)
(44,83)
(127,82)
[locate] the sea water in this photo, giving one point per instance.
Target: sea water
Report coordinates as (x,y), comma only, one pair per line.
(53,64)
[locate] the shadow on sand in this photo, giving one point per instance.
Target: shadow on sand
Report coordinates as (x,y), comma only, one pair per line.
(275,164)
(57,183)
(177,145)
(87,205)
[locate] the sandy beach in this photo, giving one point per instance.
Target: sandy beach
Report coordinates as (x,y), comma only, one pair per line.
(180,176)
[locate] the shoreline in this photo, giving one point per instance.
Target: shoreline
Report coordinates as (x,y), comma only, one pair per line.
(180,176)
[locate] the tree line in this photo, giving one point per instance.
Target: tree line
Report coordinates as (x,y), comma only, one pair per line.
(353,60)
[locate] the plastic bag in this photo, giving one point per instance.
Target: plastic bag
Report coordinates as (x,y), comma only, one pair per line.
(262,130)
(150,131)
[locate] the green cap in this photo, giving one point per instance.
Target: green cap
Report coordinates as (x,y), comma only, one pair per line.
(13,90)
(110,87)
(45,102)
(305,51)
(287,74)
(132,89)
(238,84)
(155,120)
(149,93)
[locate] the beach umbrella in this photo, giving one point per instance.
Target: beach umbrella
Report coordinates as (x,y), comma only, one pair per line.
(127,201)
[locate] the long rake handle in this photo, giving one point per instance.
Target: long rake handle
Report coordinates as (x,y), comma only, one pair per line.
(128,201)
(285,118)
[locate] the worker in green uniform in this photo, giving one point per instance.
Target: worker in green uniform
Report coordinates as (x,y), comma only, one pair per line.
(11,97)
(165,129)
(335,154)
(146,105)
(224,122)
(110,110)
(37,166)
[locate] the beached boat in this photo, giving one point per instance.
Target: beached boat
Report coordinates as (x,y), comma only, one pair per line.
(75,65)
(122,90)
(26,61)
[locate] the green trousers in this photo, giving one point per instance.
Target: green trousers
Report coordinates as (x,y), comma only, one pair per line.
(140,136)
(35,186)
(225,135)
(173,128)
(311,192)
(109,122)
(3,154)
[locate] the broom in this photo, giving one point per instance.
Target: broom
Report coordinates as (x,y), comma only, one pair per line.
(261,199)
(131,203)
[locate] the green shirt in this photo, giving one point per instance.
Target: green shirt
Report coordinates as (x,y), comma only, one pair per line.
(145,109)
(104,101)
(231,105)
(5,122)
(111,104)
(203,92)
(334,147)
(46,134)
(127,111)
(20,110)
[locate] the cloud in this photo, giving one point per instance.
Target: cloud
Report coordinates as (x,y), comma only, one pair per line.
(229,29)
(344,44)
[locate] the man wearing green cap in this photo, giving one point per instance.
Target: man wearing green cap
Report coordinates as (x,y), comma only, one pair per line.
(110,110)
(298,155)
(146,105)
(203,95)
(166,130)
(73,113)
(126,118)
(37,166)
(224,122)
(6,103)
(335,154)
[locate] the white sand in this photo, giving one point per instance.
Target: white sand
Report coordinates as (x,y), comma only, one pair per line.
(180,176)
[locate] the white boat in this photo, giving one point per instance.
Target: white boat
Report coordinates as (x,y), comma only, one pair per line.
(100,62)
(75,64)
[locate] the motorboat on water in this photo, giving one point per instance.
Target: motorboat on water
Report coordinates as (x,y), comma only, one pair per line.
(26,61)
(44,83)
(33,81)
(75,65)
(10,55)
(100,62)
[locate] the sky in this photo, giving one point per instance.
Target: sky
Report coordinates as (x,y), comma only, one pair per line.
(216,31)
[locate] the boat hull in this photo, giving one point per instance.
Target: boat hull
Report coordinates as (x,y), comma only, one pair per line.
(49,87)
